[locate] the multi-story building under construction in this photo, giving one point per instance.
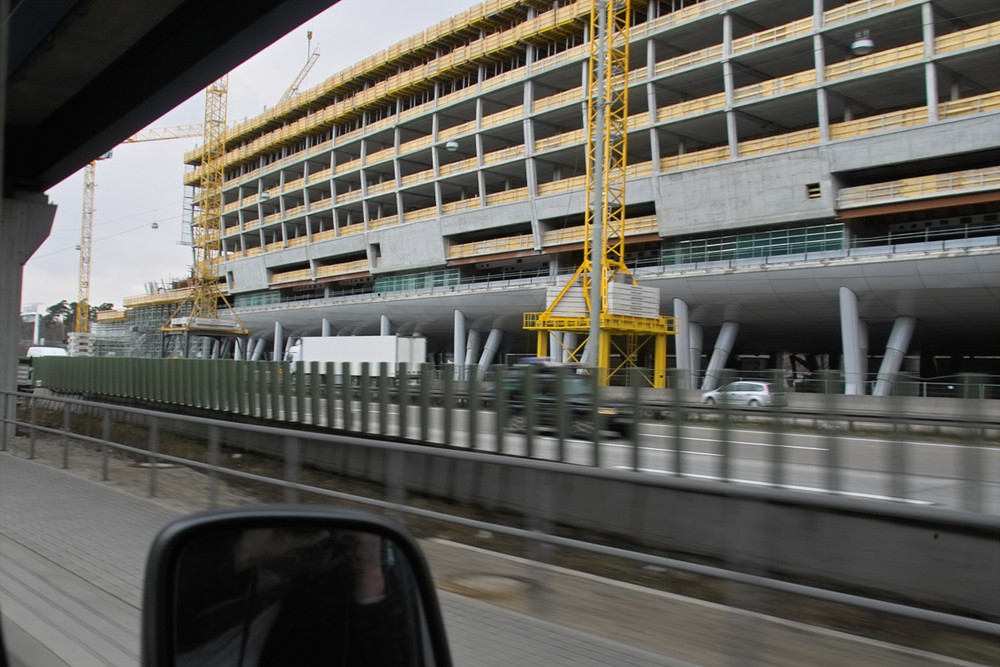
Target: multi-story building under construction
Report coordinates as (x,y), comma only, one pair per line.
(808,180)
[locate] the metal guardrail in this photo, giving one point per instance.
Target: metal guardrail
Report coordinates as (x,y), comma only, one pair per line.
(395,497)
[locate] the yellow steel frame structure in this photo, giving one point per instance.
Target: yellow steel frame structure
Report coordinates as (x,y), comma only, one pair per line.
(207,227)
(607,150)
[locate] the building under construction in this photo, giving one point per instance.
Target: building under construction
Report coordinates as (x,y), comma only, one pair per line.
(808,184)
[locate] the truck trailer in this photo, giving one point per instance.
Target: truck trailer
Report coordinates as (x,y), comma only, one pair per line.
(356,350)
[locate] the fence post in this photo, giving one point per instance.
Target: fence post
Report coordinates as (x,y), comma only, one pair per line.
(778,428)
(500,405)
(425,401)
(403,394)
(366,397)
(346,387)
(383,398)
(105,438)
(832,441)
(293,463)
(449,403)
(472,407)
(153,444)
(33,411)
(213,470)
(636,379)
(67,424)
(315,382)
(678,422)
(529,389)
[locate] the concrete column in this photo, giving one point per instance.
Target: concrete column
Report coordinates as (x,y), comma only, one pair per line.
(472,345)
(683,343)
(325,331)
(279,342)
(720,356)
(239,350)
(930,69)
(385,326)
(895,350)
(697,339)
(850,332)
(458,341)
(24,225)
(490,350)
(730,87)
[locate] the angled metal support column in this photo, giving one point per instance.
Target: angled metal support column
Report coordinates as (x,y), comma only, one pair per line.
(490,350)
(472,346)
(384,326)
(851,335)
(325,328)
(895,350)
(720,356)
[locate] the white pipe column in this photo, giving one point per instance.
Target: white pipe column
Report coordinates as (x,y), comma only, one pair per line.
(556,339)
(720,356)
(851,336)
(384,326)
(697,340)
(279,342)
(490,350)
(238,350)
(326,328)
(683,351)
(472,345)
(895,350)
(458,341)
(258,349)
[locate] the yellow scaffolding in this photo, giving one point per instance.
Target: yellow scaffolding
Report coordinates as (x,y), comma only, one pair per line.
(606,331)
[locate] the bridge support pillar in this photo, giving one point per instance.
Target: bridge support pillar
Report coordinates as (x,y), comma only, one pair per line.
(279,342)
(24,225)
(685,370)
(895,350)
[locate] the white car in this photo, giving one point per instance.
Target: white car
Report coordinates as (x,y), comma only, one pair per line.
(745,392)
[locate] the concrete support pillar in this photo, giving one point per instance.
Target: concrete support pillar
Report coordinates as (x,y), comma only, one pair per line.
(490,350)
(458,341)
(279,342)
(851,336)
(384,326)
(326,328)
(258,350)
(472,346)
(930,70)
(720,356)
(685,378)
(24,225)
(240,349)
(697,340)
(895,350)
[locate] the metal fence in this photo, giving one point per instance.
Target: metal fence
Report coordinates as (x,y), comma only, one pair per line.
(936,451)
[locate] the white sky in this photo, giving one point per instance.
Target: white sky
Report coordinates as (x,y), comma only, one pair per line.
(143,183)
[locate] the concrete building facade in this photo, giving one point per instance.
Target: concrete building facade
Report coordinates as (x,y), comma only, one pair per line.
(813,183)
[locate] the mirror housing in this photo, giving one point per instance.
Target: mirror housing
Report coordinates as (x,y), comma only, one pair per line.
(289,585)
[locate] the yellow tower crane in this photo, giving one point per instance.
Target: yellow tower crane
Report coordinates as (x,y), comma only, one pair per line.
(616,318)
(202,318)
(87,223)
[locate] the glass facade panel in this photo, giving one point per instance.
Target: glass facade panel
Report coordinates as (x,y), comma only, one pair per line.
(754,244)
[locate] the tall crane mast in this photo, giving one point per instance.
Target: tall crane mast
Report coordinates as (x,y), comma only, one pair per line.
(202,319)
(87,222)
(602,300)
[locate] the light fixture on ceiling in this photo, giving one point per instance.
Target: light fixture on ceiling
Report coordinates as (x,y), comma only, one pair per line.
(862,44)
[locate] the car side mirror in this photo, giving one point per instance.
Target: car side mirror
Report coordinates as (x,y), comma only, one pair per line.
(289,586)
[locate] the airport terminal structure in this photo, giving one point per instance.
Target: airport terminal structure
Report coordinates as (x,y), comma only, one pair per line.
(812,184)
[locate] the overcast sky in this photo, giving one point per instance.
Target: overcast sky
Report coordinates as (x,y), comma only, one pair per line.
(143,183)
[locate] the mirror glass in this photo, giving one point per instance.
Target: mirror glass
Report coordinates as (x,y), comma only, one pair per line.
(295,596)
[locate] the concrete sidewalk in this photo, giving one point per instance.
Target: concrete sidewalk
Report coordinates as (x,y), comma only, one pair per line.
(72,553)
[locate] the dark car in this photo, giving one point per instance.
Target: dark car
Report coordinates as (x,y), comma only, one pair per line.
(585,413)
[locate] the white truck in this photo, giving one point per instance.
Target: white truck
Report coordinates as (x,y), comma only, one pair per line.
(393,350)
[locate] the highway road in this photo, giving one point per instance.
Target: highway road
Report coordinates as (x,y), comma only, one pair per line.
(952,471)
